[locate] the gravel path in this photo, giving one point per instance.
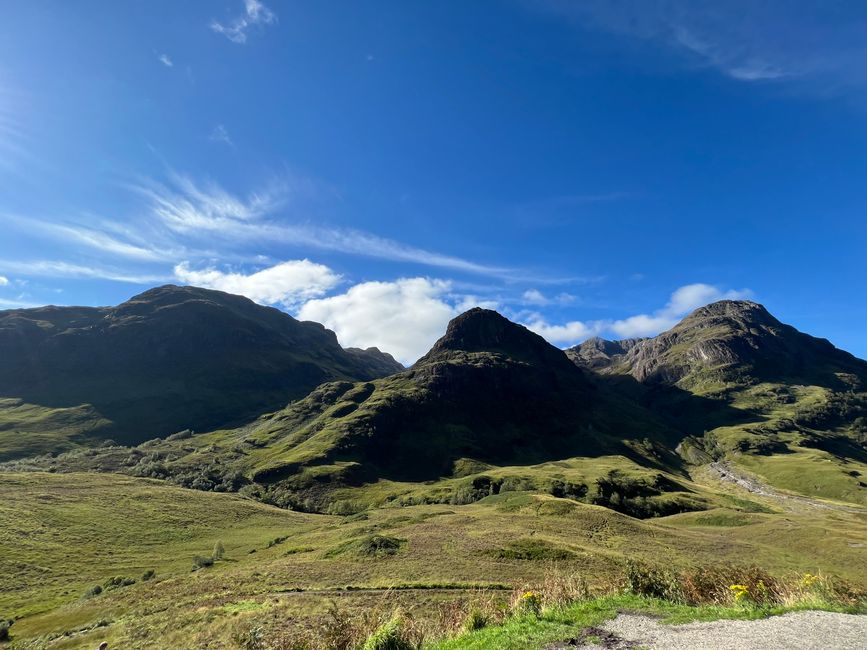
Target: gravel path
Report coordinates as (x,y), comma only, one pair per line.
(794,631)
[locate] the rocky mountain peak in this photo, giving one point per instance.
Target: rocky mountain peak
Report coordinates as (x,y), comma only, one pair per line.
(729,336)
(738,313)
(485,330)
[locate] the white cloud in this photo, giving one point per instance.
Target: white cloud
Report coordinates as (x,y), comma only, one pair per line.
(197,210)
(255,13)
(536,297)
(220,134)
(288,283)
(165,60)
(403,318)
(17,304)
(4,281)
(569,333)
(642,325)
(684,300)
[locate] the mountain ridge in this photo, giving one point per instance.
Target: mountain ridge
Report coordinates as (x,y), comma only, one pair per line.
(168,359)
(727,334)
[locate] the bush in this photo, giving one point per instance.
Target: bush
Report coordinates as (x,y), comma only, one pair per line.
(117,582)
(219,551)
(252,638)
(643,580)
(4,629)
(95,590)
(532,549)
(475,620)
(150,574)
(201,562)
(389,636)
(378,545)
(528,602)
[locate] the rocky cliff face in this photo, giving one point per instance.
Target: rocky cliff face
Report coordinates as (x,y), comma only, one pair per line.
(598,353)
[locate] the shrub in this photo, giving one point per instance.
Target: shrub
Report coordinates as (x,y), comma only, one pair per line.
(389,636)
(219,551)
(532,549)
(562,589)
(277,540)
(150,574)
(338,632)
(643,580)
(95,590)
(4,629)
(252,638)
(379,545)
(528,602)
(475,620)
(201,562)
(117,582)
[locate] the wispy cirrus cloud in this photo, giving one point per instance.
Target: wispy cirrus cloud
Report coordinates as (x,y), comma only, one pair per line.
(14,303)
(13,138)
(166,60)
(207,210)
(220,134)
(184,220)
(255,14)
(92,237)
(802,41)
(62,269)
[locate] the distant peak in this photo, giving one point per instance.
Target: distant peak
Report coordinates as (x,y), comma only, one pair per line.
(485,330)
(745,311)
(480,329)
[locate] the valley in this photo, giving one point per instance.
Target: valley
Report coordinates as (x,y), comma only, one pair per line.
(352,482)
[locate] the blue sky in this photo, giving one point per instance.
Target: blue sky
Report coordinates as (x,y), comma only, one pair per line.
(586,168)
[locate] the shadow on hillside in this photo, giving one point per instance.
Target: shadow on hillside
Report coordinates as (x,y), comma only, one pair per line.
(686,413)
(419,441)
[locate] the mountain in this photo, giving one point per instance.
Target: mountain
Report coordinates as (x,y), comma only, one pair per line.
(489,394)
(736,340)
(596,352)
(797,405)
(493,406)
(169,359)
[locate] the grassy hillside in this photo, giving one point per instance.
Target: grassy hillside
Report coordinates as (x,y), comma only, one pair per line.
(490,395)
(63,534)
(797,406)
(170,359)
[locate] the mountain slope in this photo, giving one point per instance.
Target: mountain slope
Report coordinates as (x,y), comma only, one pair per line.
(171,358)
(730,339)
(490,394)
(802,402)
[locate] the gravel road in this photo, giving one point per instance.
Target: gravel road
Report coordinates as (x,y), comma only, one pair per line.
(794,631)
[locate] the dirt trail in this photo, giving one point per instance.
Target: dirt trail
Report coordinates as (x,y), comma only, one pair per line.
(793,631)
(723,471)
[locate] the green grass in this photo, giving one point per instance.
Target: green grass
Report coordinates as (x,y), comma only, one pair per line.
(62,534)
(29,429)
(560,624)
